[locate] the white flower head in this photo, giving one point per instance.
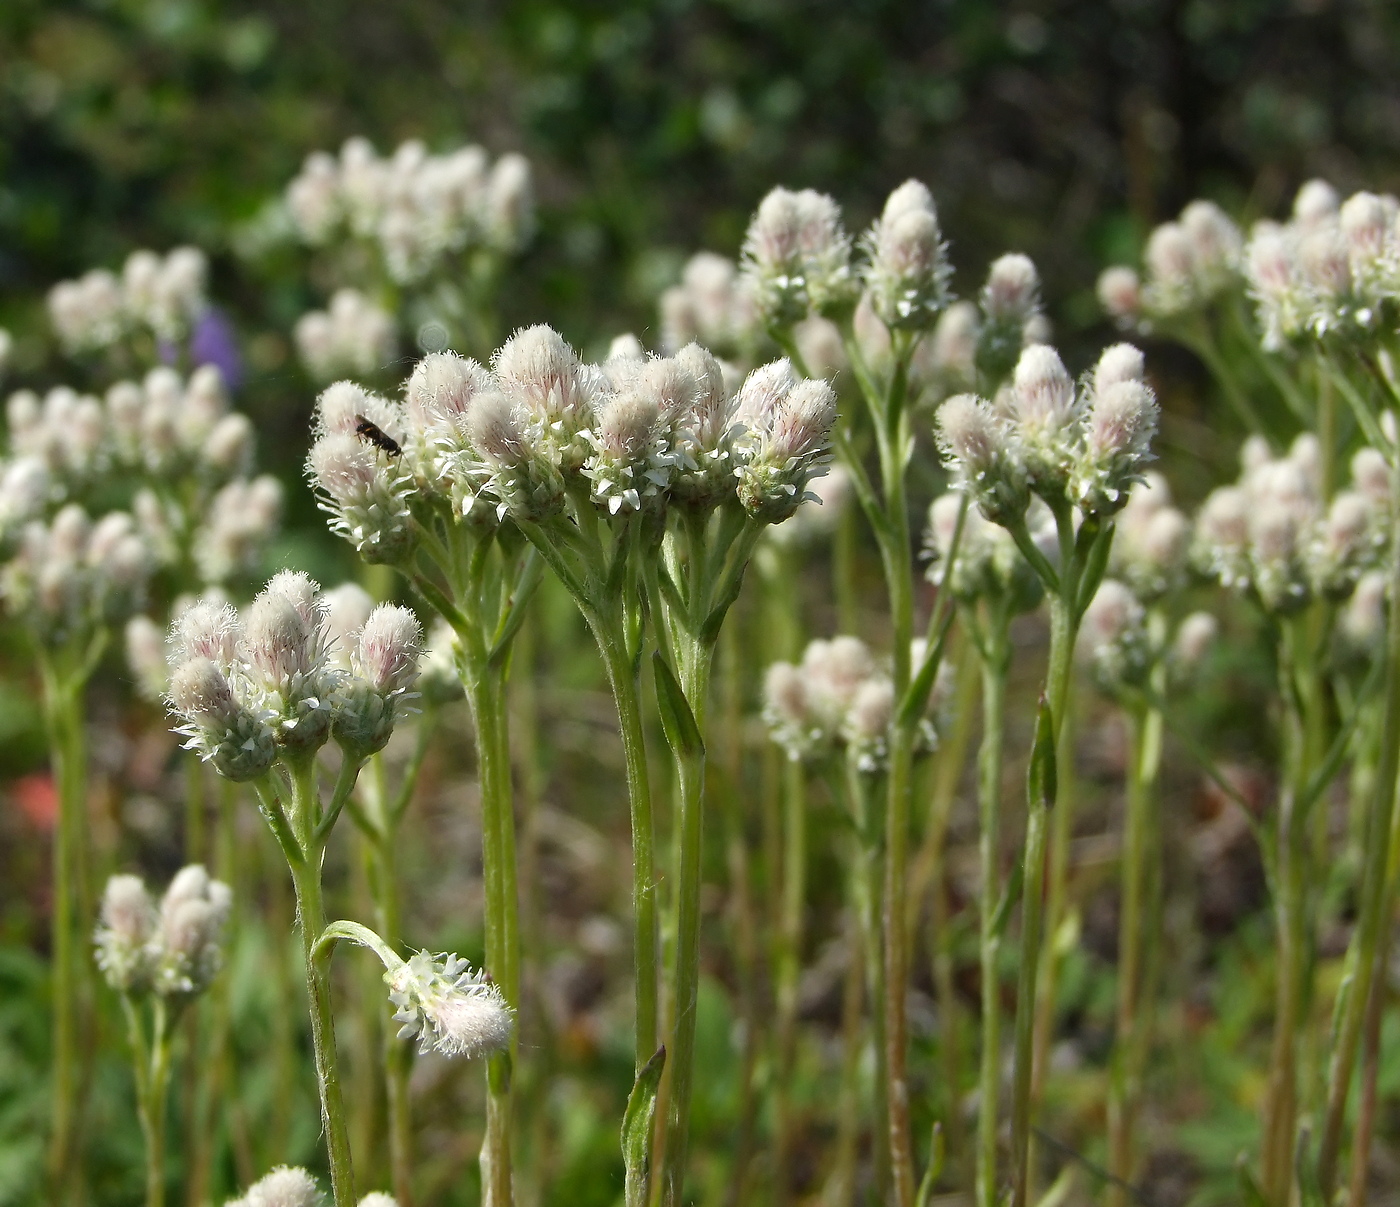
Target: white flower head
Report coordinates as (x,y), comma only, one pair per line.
(786,426)
(986,455)
(127,924)
(449,1007)
(907,272)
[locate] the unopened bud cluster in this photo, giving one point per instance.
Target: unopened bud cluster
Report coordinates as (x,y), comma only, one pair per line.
(1088,444)
(162,296)
(414,207)
(1120,641)
(270,682)
(540,426)
(1272,535)
(839,698)
(351,336)
(174,949)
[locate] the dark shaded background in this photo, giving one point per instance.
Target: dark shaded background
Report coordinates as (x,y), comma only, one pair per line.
(1062,129)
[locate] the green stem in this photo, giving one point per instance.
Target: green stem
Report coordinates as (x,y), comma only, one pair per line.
(488,699)
(680,1058)
(1135,939)
(153,1108)
(789,962)
(622,677)
(989,758)
(72,912)
(306,878)
(1374,892)
(1063,627)
(840,1188)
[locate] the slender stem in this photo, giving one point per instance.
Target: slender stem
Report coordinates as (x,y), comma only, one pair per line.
(789,962)
(840,1188)
(1136,916)
(1371,921)
(488,699)
(1370,1072)
(63,695)
(622,677)
(680,1059)
(306,878)
(153,1107)
(989,757)
(1063,626)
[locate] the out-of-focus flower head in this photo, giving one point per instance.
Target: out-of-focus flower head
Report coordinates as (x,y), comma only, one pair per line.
(797,257)
(352,335)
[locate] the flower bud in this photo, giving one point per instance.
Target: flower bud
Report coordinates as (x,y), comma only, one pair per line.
(378,1198)
(510,204)
(193,913)
(1045,416)
(24,490)
(228,449)
(145,657)
(1121,362)
(786,424)
(348,606)
(907,273)
(1315,204)
(787,711)
(1010,300)
(1194,638)
(1113,636)
(218,726)
(388,648)
(366,498)
(127,924)
(1362,619)
(985,455)
(1121,422)
(1215,244)
(868,722)
(797,257)
(284,1187)
(1120,294)
(1371,475)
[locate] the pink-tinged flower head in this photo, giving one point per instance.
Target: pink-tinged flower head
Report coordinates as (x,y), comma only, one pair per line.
(1120,294)
(907,268)
(388,648)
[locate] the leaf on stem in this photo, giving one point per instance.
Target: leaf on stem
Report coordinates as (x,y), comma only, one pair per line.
(1043,777)
(682,733)
(637,1129)
(934,1171)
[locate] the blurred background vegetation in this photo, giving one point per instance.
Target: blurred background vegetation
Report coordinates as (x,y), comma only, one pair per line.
(1062,129)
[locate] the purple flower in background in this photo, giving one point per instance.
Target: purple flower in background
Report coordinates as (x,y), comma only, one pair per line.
(213,342)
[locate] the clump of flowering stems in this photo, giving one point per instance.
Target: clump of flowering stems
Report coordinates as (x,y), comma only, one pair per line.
(635,480)
(378,814)
(159,960)
(1273,538)
(258,696)
(1324,287)
(1135,648)
(424,236)
(992,583)
(68,581)
(154,303)
(1080,451)
(181,460)
(901,340)
(834,711)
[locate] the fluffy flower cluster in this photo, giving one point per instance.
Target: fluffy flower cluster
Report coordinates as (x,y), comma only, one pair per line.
(247,688)
(161,295)
(69,577)
(414,207)
(988,563)
(1041,434)
(713,305)
(352,335)
(1189,263)
(174,950)
(178,437)
(632,434)
(1120,641)
(1152,542)
(292,1186)
(1334,267)
(839,698)
(797,260)
(449,1007)
(1271,534)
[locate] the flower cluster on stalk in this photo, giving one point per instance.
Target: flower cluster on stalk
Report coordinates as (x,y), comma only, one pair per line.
(540,428)
(1085,444)
(195,505)
(414,208)
(172,950)
(352,335)
(160,296)
(839,698)
(1272,536)
(448,1006)
(250,688)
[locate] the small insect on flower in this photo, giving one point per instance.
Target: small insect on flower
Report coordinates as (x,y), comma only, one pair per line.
(373,434)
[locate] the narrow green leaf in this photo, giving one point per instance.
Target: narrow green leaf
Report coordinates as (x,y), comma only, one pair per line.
(637,1130)
(1249,1188)
(916,696)
(934,1171)
(1009,896)
(677,720)
(1043,776)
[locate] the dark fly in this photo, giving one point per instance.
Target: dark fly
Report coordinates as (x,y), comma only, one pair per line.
(372,432)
